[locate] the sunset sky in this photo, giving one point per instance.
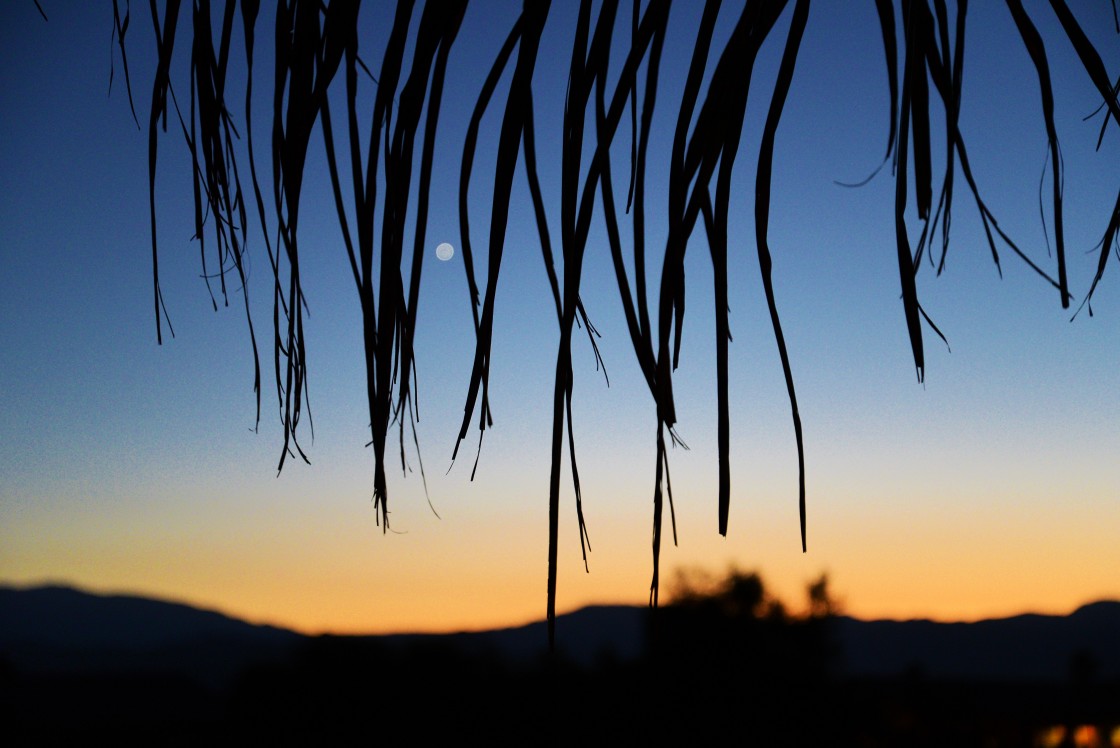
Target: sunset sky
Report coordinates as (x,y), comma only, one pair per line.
(992,489)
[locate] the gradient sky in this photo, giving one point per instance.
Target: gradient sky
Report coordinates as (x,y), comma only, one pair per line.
(991,490)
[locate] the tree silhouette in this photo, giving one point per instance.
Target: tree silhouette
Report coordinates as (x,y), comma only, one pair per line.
(318,68)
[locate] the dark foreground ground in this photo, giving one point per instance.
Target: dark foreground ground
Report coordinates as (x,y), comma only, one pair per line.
(692,675)
(345,692)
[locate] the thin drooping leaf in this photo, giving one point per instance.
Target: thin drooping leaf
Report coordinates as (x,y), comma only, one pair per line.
(714,142)
(885,11)
(537,197)
(217,185)
(514,121)
(393,323)
(294,113)
(1090,58)
(636,312)
(716,230)
(902,241)
(648,103)
(1106,248)
(449,16)
(919,46)
(469,144)
(120,27)
(633,117)
(586,74)
(584,68)
(762,223)
(1107,113)
(1033,42)
(951,98)
(679,178)
(165,45)
(637,320)
(989,221)
(249,11)
(1094,66)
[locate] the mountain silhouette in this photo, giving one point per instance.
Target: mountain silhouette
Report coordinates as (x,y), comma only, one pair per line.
(62,629)
(59,629)
(1020,648)
(64,616)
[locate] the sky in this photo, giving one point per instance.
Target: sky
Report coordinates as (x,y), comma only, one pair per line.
(989,490)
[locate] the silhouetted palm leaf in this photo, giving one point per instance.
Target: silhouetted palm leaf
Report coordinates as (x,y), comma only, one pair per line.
(314,39)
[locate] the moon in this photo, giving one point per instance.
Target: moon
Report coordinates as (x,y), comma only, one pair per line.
(445,251)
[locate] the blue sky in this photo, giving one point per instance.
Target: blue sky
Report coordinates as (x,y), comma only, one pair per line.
(991,489)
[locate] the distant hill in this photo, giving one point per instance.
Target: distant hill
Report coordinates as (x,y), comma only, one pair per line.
(1020,648)
(585,637)
(64,630)
(70,617)
(60,629)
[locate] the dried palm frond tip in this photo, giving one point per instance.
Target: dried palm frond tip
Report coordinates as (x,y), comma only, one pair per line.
(923,43)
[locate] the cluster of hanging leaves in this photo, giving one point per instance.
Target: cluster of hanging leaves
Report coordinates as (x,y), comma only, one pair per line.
(316,40)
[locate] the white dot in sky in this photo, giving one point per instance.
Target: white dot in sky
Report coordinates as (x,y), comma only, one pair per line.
(445,251)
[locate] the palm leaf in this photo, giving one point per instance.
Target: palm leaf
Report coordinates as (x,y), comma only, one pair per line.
(313,40)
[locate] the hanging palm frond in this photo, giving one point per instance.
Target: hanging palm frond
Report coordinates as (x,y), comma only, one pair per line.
(314,39)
